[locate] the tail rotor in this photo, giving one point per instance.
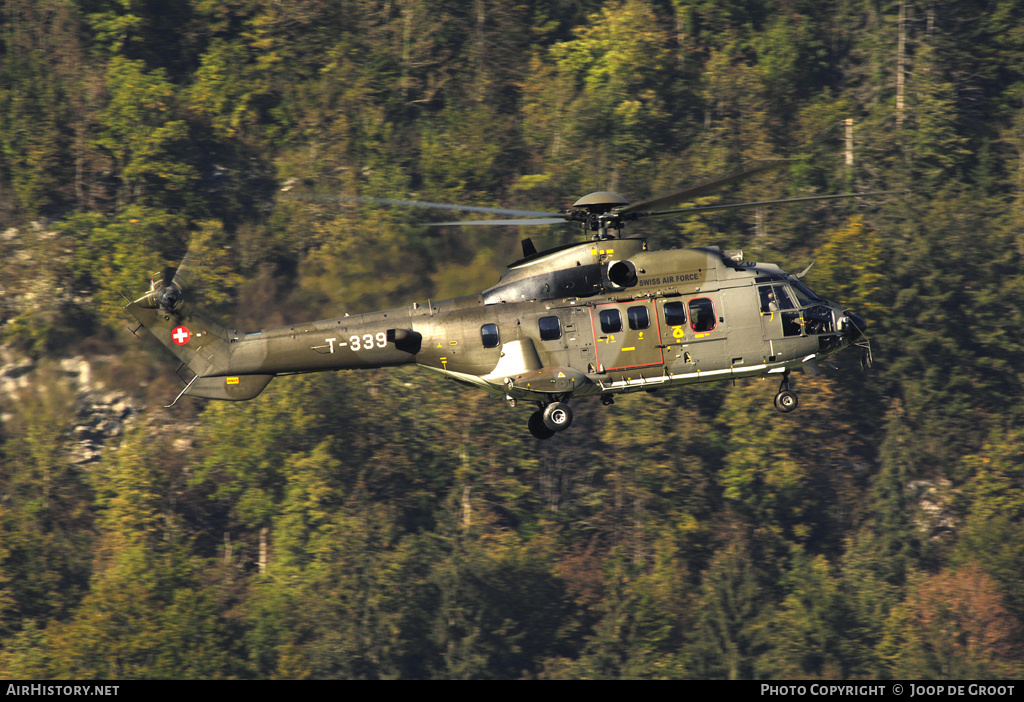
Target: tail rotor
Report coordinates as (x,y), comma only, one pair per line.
(170,294)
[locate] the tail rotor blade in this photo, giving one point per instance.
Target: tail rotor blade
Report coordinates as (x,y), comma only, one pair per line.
(172,294)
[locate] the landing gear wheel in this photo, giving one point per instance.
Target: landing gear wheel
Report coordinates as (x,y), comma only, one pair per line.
(557,416)
(786,401)
(537,427)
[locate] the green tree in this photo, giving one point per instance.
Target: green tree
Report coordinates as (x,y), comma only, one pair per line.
(732,612)
(336,607)
(993,503)
(790,479)
(500,608)
(867,598)
(619,67)
(146,614)
(46,523)
(143,133)
(809,634)
(850,267)
(642,617)
(116,257)
(936,145)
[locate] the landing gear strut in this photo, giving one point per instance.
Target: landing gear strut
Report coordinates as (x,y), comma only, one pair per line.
(551,418)
(786,400)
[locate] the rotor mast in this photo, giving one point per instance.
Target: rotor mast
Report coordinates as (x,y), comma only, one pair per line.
(595,213)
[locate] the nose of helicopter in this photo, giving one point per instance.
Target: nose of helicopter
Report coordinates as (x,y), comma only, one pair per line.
(854,326)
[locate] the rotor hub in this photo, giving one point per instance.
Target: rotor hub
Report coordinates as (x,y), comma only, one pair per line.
(600,202)
(169,298)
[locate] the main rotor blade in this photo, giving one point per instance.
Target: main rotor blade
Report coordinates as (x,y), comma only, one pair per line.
(499,222)
(430,205)
(656,205)
(709,208)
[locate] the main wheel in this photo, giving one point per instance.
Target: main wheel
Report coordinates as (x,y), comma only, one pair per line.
(557,416)
(786,401)
(538,428)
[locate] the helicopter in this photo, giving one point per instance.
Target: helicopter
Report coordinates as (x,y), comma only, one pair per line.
(601,317)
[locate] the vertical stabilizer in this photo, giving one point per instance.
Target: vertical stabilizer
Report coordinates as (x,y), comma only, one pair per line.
(197,341)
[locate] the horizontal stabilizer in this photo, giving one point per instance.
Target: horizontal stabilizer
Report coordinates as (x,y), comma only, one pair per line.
(229,387)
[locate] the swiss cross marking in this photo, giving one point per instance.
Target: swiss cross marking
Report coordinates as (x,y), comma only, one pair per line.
(181,335)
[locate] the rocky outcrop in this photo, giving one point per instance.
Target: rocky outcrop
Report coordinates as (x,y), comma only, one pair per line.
(99,414)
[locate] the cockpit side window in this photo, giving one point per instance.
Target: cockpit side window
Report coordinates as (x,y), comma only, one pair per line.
(775,298)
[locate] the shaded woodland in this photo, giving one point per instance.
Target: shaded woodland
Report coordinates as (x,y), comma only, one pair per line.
(386,524)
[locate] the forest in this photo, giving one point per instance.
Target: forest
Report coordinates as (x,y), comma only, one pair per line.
(387,524)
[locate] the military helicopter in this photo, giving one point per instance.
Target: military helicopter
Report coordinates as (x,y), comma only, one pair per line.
(602,317)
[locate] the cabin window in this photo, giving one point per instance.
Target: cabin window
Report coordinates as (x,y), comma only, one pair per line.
(550,328)
(611,321)
(675,313)
(638,317)
(702,315)
(489,336)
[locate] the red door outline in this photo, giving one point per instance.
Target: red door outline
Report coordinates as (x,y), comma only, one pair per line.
(649,351)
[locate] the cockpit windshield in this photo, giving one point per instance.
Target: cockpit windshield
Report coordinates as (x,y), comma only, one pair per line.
(804,294)
(808,315)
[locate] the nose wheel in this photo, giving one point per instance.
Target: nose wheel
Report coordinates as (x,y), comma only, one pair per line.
(786,400)
(552,418)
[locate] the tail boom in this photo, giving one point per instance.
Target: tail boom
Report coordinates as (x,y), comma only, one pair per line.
(232,366)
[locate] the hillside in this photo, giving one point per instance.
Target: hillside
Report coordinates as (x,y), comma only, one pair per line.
(389,525)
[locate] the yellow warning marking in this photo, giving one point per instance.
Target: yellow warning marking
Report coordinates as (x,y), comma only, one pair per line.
(232,381)
(629,348)
(561,375)
(453,343)
(678,333)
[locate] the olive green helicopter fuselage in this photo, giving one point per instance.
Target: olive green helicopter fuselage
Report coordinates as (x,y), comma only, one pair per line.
(598,318)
